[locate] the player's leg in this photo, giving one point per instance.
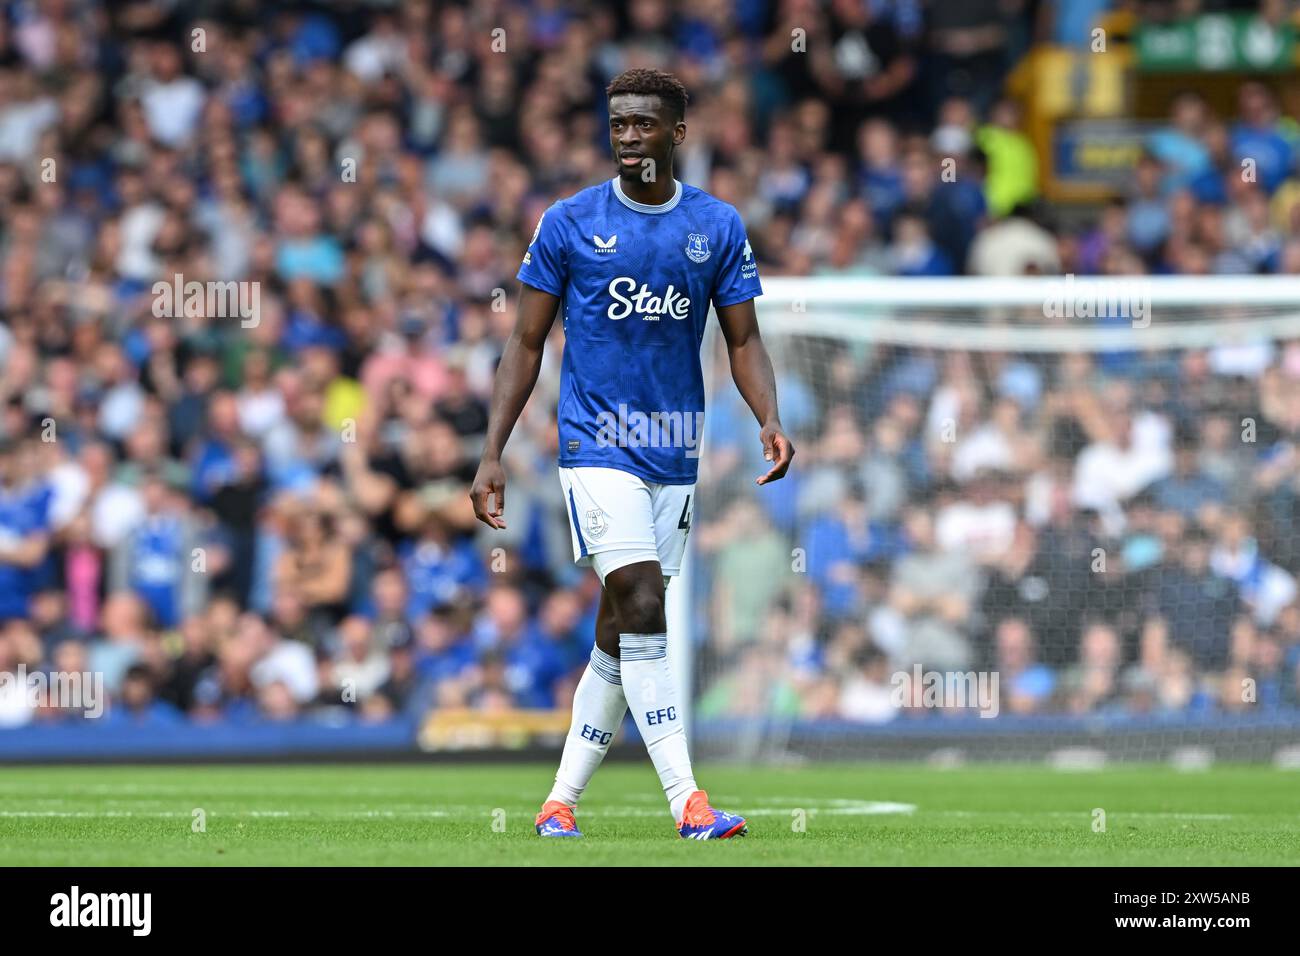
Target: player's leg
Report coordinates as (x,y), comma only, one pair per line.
(607,627)
(671,506)
(598,709)
(594,497)
(637,592)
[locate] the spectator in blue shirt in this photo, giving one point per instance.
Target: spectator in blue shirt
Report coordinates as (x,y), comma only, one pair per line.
(913,252)
(138,704)
(1257,139)
(24,534)
(1187,490)
(439,568)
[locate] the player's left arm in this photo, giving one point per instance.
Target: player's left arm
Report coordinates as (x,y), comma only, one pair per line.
(751,367)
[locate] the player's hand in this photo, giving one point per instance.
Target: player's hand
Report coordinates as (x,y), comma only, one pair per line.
(778,449)
(489,483)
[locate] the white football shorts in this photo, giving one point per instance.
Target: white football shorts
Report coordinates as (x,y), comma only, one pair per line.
(617,519)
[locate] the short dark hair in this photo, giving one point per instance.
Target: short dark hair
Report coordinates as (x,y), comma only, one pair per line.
(652,83)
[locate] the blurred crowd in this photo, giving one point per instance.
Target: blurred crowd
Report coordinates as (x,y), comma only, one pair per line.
(1115,533)
(250,521)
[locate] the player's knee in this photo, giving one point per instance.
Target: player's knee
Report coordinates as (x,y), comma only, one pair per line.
(637,594)
(641,609)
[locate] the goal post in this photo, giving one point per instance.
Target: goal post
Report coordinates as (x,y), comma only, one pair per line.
(1029,517)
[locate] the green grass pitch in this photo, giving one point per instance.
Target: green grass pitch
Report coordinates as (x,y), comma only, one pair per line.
(439,814)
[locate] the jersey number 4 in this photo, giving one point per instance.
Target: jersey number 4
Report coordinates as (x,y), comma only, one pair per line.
(684,522)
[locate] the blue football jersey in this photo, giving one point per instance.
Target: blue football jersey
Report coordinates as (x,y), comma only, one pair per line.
(23,512)
(636,282)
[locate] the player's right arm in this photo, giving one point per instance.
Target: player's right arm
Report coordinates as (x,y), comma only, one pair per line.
(516,375)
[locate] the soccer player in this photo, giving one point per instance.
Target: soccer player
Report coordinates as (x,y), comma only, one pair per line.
(635,262)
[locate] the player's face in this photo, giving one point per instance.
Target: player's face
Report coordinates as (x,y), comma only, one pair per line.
(641,128)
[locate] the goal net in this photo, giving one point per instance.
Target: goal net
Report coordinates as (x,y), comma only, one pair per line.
(1037,518)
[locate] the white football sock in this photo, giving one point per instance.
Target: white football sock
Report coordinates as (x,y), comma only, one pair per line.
(652,696)
(598,709)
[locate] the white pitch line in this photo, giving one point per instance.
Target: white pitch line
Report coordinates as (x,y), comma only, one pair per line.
(1080,814)
(839,808)
(280,814)
(842,808)
(828,808)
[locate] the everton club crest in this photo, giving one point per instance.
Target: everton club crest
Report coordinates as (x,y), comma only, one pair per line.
(596,523)
(697,247)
